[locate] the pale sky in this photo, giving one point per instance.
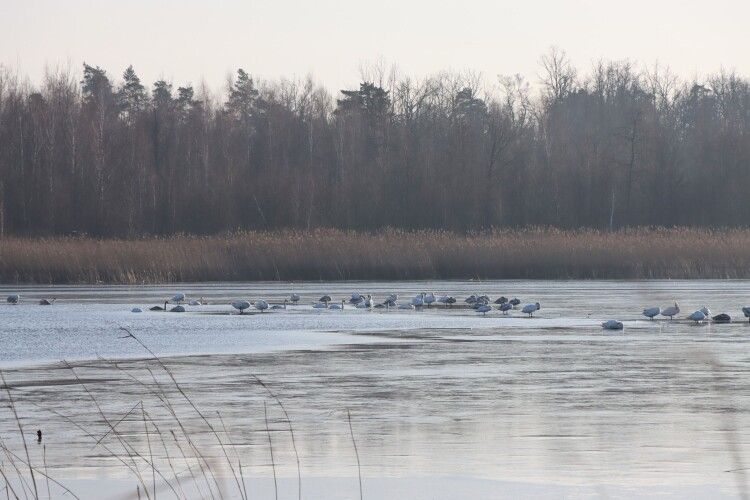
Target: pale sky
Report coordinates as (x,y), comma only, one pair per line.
(190,40)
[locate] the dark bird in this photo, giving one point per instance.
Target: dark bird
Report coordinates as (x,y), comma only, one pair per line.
(722,318)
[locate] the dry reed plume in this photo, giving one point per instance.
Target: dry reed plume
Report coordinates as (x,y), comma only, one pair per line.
(387,255)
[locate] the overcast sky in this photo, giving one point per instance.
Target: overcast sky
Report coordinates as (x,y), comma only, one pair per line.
(189,40)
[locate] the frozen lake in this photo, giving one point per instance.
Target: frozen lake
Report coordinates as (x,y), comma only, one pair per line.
(444,404)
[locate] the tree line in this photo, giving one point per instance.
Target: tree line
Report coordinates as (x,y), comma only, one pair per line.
(615,147)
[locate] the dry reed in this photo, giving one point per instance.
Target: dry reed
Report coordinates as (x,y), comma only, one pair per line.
(388,255)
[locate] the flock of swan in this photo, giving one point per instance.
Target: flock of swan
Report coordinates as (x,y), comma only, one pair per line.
(482,304)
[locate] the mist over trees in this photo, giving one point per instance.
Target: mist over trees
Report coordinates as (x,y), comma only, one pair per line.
(614,147)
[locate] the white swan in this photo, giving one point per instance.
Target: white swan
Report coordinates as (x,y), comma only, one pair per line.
(612,325)
(652,312)
(368,302)
(697,316)
(277,307)
(418,300)
(241,305)
(178,297)
(530,309)
(429,299)
(337,307)
(261,305)
(484,309)
(671,311)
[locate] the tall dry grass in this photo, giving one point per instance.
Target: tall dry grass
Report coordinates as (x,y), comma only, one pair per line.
(386,255)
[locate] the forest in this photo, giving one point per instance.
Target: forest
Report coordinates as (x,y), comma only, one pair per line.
(612,147)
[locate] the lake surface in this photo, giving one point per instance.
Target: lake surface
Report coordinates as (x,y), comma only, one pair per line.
(444,403)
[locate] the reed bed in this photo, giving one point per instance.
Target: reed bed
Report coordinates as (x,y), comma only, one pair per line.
(328,254)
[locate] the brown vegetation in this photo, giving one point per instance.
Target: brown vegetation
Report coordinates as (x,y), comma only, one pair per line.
(386,255)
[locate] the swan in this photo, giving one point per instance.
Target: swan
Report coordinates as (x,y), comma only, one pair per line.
(294,298)
(13,299)
(484,309)
(697,316)
(530,309)
(501,300)
(722,318)
(195,302)
(177,309)
(705,310)
(389,302)
(505,308)
(406,306)
(447,300)
(368,301)
(159,308)
(418,300)
(612,325)
(178,297)
(325,299)
(514,302)
(136,310)
(356,298)
(337,307)
(46,302)
(481,301)
(320,305)
(241,305)
(276,307)
(261,305)
(671,311)
(651,312)
(393,297)
(470,299)
(361,305)
(429,299)
(746,312)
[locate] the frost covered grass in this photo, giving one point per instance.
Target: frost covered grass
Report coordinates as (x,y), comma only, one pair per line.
(386,255)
